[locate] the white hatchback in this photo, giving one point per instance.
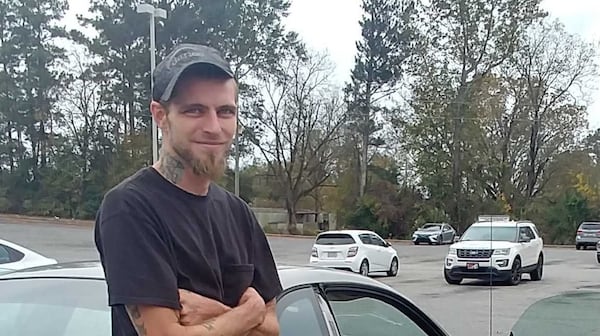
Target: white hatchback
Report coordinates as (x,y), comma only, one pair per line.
(359,251)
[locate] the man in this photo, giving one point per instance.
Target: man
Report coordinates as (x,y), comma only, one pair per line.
(181,255)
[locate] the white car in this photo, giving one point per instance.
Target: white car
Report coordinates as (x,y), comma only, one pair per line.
(359,251)
(15,257)
(496,250)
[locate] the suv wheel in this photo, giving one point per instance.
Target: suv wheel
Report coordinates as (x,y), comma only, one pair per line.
(539,269)
(515,276)
(577,246)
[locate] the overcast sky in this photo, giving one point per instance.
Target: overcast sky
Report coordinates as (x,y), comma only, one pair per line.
(332,25)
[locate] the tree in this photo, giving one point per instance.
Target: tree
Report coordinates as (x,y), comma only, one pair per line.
(548,77)
(386,43)
(464,40)
(298,127)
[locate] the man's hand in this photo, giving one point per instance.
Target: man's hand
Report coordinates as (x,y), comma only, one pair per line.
(270,326)
(197,309)
(254,304)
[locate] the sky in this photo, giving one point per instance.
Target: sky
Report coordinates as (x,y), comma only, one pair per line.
(332,26)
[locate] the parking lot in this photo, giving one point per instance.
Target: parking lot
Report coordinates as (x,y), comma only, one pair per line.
(420,277)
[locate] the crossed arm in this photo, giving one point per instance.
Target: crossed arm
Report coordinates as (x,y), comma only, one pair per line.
(201,316)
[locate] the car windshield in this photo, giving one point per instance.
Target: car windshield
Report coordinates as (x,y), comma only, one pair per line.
(54,307)
(335,239)
(490,233)
(572,313)
(431,227)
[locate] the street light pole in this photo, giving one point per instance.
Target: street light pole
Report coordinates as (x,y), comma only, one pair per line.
(237,160)
(160,13)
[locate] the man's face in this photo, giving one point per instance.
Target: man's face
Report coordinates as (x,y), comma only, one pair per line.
(200,124)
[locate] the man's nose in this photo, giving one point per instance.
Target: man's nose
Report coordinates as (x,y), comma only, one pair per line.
(211,123)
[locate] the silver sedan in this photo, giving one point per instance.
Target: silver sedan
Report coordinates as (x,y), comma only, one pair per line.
(71,300)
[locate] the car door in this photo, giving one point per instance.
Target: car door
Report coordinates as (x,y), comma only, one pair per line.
(527,250)
(534,245)
(382,258)
(360,311)
(300,313)
(447,233)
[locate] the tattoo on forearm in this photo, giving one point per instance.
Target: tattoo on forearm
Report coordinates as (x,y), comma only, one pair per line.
(171,167)
(136,319)
(209,325)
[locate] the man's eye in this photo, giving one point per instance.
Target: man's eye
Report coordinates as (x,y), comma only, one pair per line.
(227,112)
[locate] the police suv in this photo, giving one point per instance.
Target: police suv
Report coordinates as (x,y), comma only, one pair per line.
(496,248)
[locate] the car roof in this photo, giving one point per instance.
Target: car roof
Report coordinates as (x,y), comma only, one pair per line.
(350,232)
(503,224)
(290,275)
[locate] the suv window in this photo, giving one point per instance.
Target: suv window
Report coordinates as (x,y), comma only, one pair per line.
(527,232)
(590,226)
(335,239)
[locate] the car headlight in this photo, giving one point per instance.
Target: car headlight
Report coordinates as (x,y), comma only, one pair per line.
(452,251)
(505,251)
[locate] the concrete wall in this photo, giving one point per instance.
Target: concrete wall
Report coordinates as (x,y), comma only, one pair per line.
(277,218)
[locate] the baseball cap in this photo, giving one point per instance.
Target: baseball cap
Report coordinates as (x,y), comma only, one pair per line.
(183,56)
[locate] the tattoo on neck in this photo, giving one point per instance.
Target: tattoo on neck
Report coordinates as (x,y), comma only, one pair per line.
(171,168)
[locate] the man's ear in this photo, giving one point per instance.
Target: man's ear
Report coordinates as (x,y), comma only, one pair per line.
(159,114)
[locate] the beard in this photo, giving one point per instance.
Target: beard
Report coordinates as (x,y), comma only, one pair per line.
(210,165)
(206,164)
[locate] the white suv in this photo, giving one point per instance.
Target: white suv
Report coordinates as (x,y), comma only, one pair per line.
(496,249)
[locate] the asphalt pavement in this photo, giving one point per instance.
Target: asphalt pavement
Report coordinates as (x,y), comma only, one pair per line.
(470,309)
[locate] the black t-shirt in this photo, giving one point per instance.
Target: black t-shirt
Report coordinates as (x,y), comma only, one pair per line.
(154,238)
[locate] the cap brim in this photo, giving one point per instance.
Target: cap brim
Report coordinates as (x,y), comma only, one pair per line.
(166,95)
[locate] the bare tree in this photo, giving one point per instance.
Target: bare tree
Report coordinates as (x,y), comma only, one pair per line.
(553,68)
(298,127)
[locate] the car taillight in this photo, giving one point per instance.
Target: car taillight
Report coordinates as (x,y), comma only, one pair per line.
(352,251)
(314,252)
(579,232)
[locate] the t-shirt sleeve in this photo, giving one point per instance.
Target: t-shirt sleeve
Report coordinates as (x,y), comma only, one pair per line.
(137,262)
(266,278)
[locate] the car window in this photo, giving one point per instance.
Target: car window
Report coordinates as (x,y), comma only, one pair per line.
(365,239)
(80,310)
(431,227)
(525,232)
(358,315)
(334,239)
(299,314)
(487,233)
(590,226)
(377,241)
(4,256)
